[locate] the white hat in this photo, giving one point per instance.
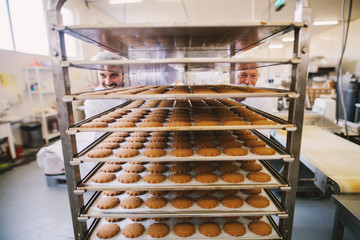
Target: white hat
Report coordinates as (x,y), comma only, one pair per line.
(106,55)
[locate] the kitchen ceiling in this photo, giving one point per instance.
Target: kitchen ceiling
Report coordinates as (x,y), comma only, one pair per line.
(219,11)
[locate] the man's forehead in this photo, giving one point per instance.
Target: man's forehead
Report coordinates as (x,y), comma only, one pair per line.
(249,71)
(111,68)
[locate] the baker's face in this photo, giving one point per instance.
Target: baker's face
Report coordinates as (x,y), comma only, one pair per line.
(248,77)
(111,78)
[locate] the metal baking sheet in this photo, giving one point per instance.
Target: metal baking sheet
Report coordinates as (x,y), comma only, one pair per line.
(276,182)
(275,234)
(280,154)
(92,211)
(176,40)
(123,93)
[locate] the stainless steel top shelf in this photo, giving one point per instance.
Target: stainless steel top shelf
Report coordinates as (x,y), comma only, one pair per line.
(173,40)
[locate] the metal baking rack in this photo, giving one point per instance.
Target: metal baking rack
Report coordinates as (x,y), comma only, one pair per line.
(281,153)
(274,208)
(122,93)
(276,182)
(275,234)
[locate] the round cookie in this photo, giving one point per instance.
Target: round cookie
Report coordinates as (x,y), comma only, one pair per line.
(182,202)
(159,139)
(123,125)
(94,125)
(204,168)
(210,229)
(230,144)
(99,153)
(228,168)
(159,219)
(235,229)
(258,201)
(157,168)
(209,152)
(158,230)
(260,228)
(205,144)
(154,178)
(132,145)
(181,145)
(258,177)
(135,193)
(158,193)
(120,134)
(114,219)
(180,178)
(263,151)
(131,202)
(133,168)
(182,153)
(136,139)
(107,145)
(155,202)
(236,151)
(128,177)
(140,134)
(110,168)
(137,219)
(232,201)
(253,191)
(103,177)
(108,230)
(247,137)
(228,191)
(126,153)
(112,193)
(180,168)
(114,140)
(184,229)
(181,192)
(156,145)
(242,132)
(207,178)
(154,153)
(133,230)
(108,202)
(207,202)
(232,177)
(251,167)
(254,143)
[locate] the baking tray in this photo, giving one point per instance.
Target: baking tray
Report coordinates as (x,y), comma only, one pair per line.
(281,153)
(197,235)
(92,211)
(277,181)
(123,93)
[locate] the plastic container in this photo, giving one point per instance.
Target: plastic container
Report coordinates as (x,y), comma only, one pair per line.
(31,134)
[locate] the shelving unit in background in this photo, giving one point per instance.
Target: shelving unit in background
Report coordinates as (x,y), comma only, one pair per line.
(41,92)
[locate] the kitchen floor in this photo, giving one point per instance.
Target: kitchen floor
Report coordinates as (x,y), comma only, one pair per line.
(33,211)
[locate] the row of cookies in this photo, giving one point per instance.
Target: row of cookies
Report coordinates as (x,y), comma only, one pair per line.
(191,229)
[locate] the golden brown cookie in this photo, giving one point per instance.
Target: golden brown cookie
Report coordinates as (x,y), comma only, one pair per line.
(207,202)
(156,145)
(154,153)
(133,168)
(159,219)
(114,219)
(230,144)
(158,230)
(110,168)
(258,177)
(178,123)
(182,152)
(159,139)
(228,167)
(181,145)
(228,191)
(247,137)
(132,145)
(154,178)
(181,193)
(225,138)
(204,168)
(258,201)
(157,168)
(112,193)
(184,229)
(209,152)
(131,202)
(180,168)
(133,230)
(182,202)
(123,125)
(254,143)
(108,230)
(232,177)
(260,228)
(135,193)
(210,229)
(242,132)
(136,139)
(108,145)
(120,134)
(103,177)
(114,140)
(99,153)
(140,134)
(126,153)
(108,202)
(232,201)
(180,178)
(235,229)
(251,167)
(128,177)
(263,150)
(205,144)
(207,123)
(253,191)
(158,193)
(94,125)
(137,219)
(206,178)
(156,202)
(236,151)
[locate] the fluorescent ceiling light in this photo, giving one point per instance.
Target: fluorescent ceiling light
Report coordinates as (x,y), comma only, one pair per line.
(287,39)
(276,46)
(123,1)
(325,23)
